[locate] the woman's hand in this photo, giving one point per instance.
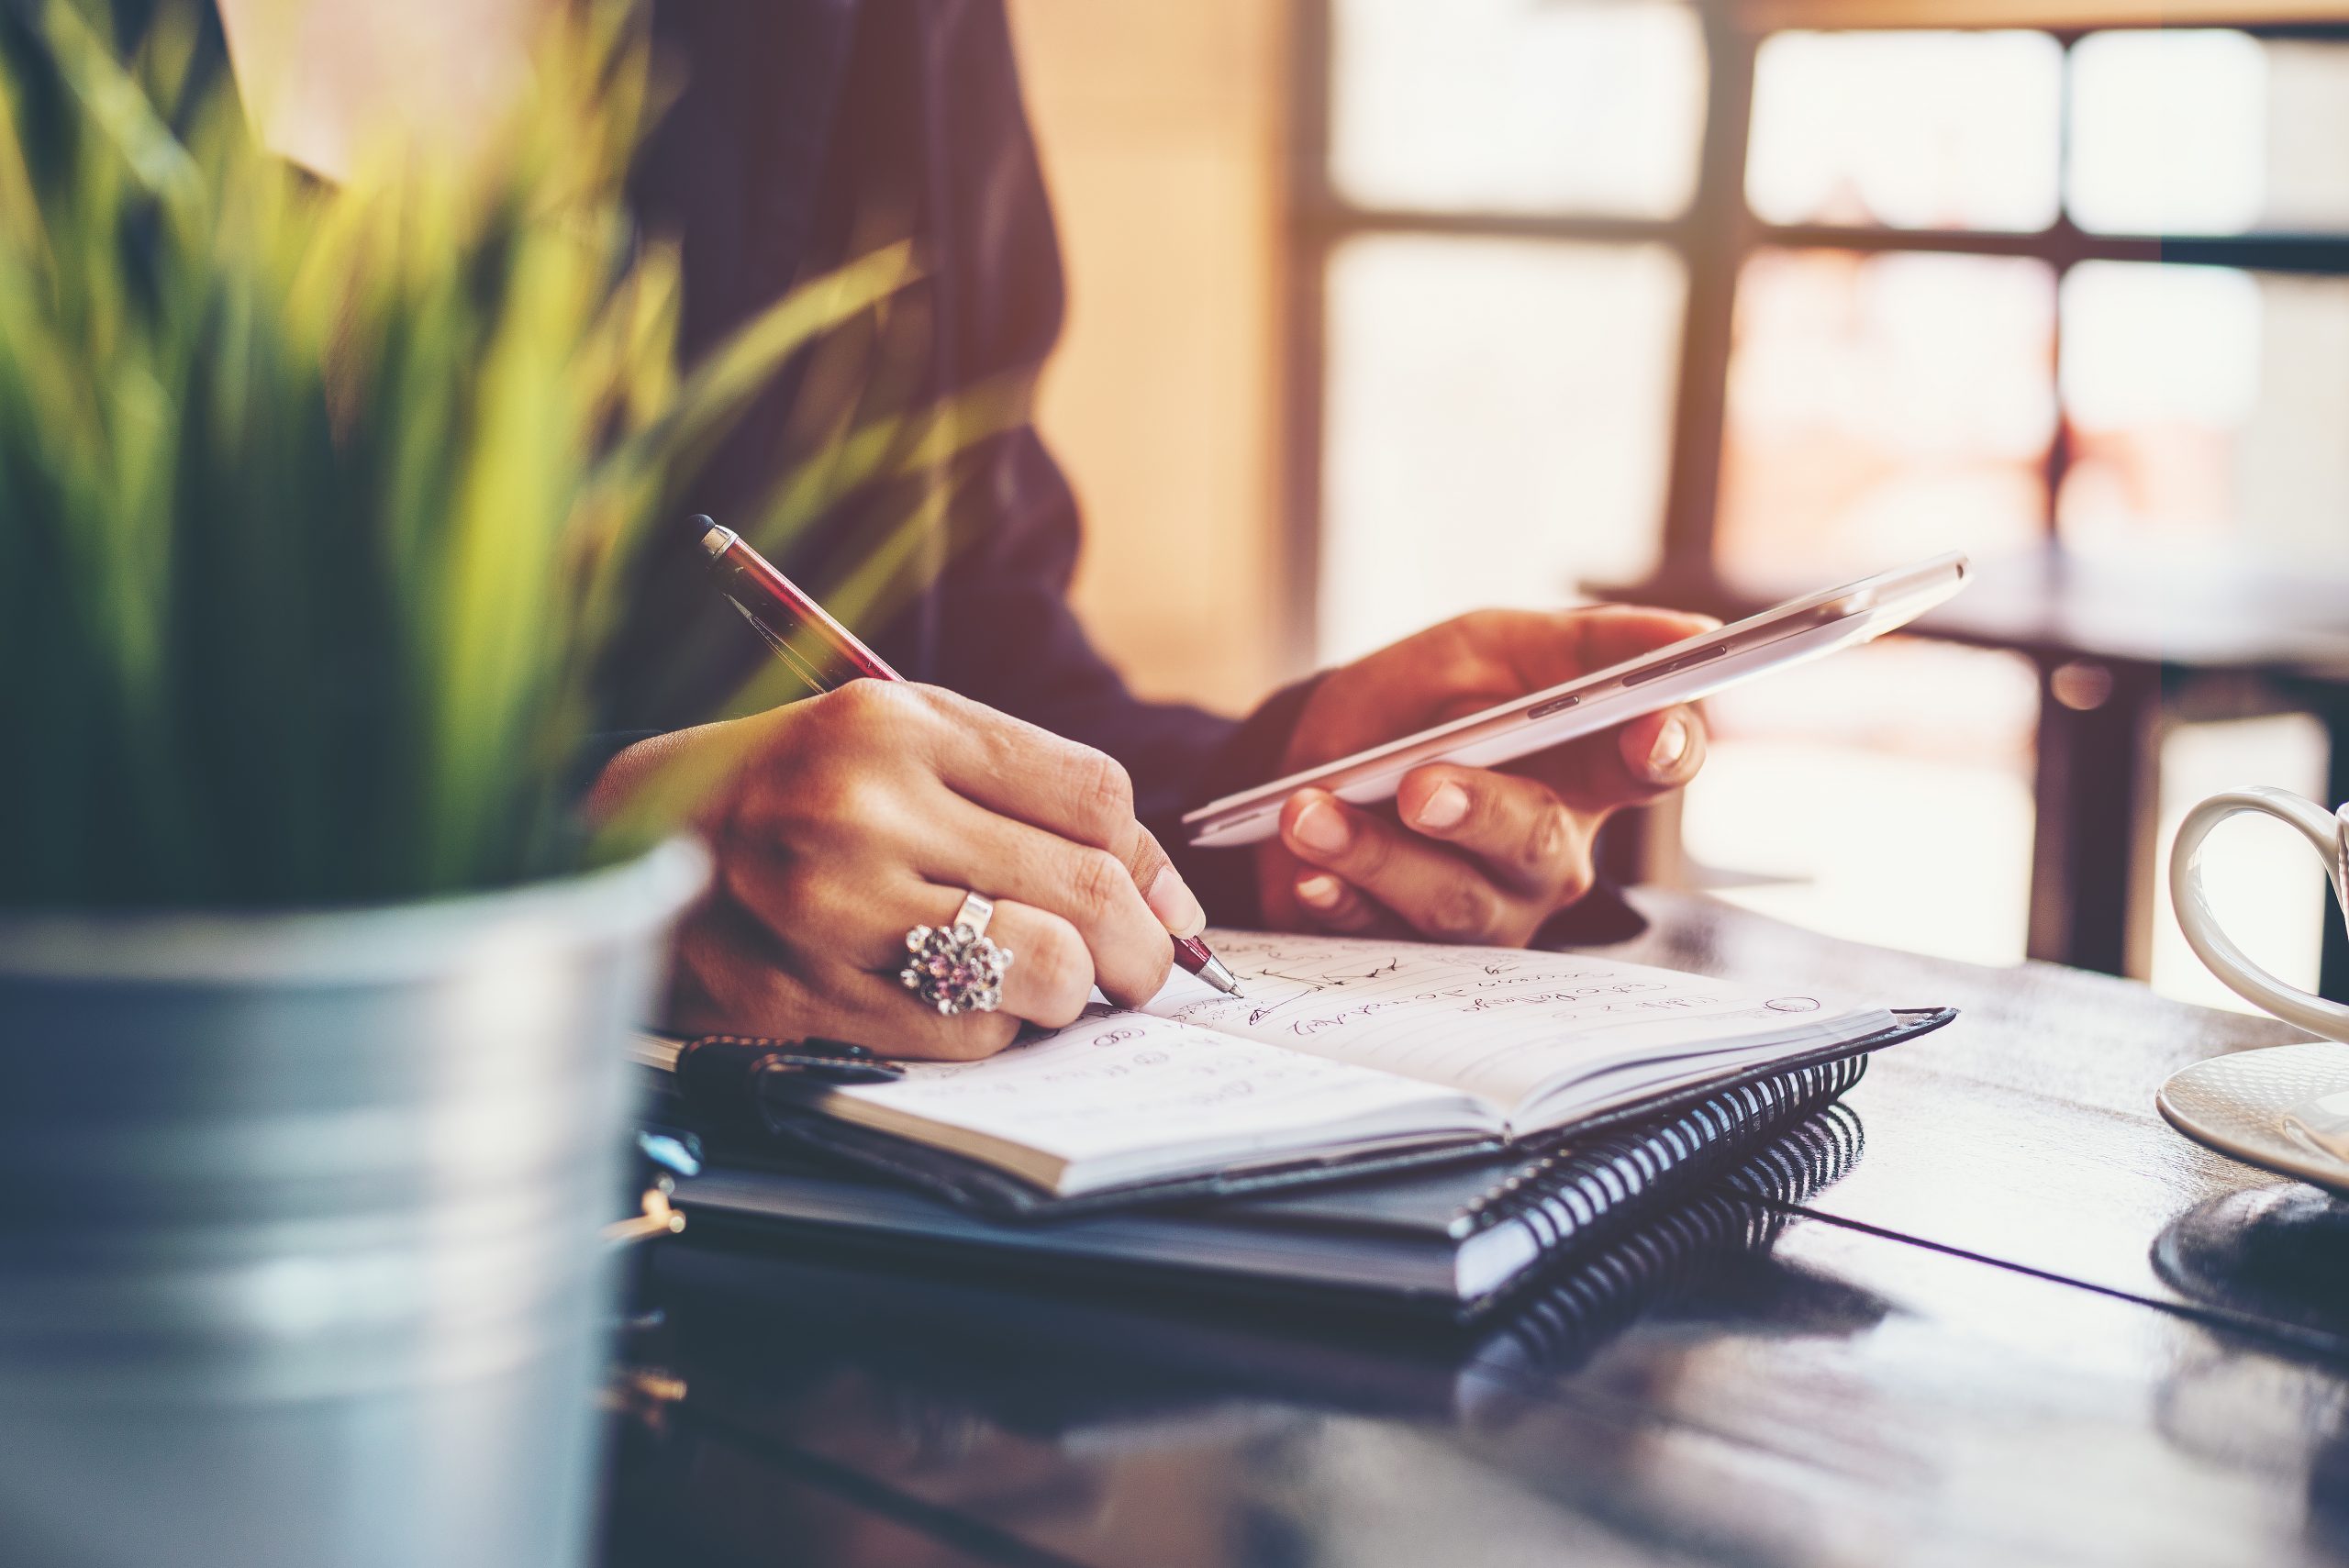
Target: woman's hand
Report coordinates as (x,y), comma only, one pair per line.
(864,812)
(1470,854)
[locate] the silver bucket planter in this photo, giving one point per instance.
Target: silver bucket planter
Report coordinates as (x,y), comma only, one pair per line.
(299,1254)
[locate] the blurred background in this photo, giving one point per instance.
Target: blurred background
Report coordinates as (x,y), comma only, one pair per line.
(1401,309)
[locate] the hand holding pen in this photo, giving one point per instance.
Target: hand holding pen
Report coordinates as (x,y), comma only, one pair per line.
(853,817)
(795,625)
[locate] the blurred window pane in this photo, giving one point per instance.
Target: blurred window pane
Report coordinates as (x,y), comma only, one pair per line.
(1516,105)
(2207,408)
(1499,418)
(1911,131)
(2201,131)
(2307,136)
(1882,408)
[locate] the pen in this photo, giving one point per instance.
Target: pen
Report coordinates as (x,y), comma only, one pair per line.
(779,612)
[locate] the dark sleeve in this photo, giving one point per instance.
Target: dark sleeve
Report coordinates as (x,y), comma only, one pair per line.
(812,130)
(1009,638)
(999,626)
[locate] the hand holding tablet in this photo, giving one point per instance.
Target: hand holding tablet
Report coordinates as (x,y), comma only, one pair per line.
(1794,632)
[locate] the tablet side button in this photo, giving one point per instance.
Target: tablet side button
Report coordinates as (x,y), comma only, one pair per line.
(1686,661)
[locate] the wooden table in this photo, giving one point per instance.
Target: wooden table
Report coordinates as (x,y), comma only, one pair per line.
(1991,1311)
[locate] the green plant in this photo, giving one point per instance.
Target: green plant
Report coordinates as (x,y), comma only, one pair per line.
(316,501)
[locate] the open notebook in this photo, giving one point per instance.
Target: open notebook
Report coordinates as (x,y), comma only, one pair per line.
(1341,1048)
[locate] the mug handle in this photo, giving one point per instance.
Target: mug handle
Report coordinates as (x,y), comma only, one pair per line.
(2212,945)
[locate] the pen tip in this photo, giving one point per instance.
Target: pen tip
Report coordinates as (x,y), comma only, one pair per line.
(1222,979)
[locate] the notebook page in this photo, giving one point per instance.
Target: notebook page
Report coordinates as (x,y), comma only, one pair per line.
(1500,1022)
(1116,1082)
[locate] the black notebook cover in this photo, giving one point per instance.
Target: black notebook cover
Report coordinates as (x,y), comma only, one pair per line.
(937,1328)
(1573,1192)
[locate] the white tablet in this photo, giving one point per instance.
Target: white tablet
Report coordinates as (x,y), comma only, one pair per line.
(1799,629)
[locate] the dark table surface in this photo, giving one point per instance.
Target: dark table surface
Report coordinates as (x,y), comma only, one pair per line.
(1991,1310)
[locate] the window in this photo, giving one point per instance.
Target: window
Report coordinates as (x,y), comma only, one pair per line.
(1889,129)
(2208,132)
(2207,407)
(1883,407)
(1611,295)
(1495,407)
(1506,106)
(1497,418)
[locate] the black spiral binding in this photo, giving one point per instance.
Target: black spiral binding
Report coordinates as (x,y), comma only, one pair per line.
(1554,1327)
(1562,1194)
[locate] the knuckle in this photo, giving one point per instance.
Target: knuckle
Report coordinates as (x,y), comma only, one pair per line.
(1574,880)
(1549,841)
(1101,791)
(1348,908)
(1099,881)
(1466,910)
(1057,1012)
(1348,914)
(854,718)
(1366,853)
(857,701)
(893,709)
(1150,974)
(1489,623)
(1060,975)
(920,699)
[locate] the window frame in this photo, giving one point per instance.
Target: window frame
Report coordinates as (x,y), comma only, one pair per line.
(1713,238)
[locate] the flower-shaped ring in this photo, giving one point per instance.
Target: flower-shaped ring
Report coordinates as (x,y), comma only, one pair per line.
(956,969)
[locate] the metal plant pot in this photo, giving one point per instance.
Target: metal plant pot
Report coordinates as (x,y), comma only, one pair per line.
(299,1259)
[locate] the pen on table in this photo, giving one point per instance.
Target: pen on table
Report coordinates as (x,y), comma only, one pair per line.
(779,612)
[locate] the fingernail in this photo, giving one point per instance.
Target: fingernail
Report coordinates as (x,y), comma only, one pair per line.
(1671,746)
(1445,807)
(1320,827)
(1321,891)
(1177,907)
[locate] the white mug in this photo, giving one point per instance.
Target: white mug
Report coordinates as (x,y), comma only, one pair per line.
(2328,831)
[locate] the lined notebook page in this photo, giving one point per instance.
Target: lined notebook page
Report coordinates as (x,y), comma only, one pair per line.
(1500,1022)
(1116,1082)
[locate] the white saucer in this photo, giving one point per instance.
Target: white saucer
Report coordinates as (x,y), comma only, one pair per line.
(2235,1104)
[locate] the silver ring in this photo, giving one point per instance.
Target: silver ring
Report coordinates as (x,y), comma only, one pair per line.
(956,969)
